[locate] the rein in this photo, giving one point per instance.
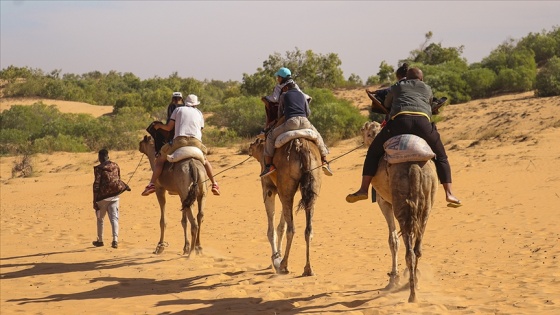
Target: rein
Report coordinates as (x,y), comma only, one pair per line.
(338,157)
(135,169)
(233,166)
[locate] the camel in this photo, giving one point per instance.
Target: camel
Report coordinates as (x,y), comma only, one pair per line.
(185,178)
(405,191)
(298,164)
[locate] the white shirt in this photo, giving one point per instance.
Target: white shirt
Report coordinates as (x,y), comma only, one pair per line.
(188,122)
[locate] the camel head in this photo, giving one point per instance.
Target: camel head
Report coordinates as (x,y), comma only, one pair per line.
(256,149)
(146,146)
(369,131)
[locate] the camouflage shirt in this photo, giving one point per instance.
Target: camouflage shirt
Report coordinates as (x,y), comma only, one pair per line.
(108,181)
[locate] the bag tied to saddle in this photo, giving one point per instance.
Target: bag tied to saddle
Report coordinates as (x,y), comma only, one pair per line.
(407,148)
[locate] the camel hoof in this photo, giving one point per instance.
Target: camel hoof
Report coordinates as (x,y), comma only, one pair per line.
(412,299)
(307,273)
(276,263)
(160,248)
(283,271)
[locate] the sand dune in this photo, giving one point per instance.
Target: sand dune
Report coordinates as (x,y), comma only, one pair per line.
(498,254)
(63,106)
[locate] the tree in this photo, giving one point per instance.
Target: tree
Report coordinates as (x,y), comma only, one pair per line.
(308,69)
(386,72)
(480,81)
(544,45)
(548,78)
(355,80)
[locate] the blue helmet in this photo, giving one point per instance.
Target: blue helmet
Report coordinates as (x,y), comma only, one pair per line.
(283,72)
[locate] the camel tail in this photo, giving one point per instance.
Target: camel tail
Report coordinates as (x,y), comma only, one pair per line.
(193,189)
(306,182)
(415,200)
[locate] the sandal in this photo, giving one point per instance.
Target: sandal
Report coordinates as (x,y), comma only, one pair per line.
(268,169)
(454,204)
(326,168)
(351,198)
(216,189)
(149,189)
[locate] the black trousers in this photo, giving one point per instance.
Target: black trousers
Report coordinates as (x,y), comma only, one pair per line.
(409,124)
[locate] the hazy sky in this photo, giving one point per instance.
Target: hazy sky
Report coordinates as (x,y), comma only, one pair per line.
(223,39)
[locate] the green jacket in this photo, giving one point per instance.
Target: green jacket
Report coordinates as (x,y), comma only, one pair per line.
(410,97)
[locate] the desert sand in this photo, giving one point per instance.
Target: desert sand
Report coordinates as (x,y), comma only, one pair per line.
(497,254)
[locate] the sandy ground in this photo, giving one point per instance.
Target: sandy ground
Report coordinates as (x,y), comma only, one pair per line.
(63,106)
(498,254)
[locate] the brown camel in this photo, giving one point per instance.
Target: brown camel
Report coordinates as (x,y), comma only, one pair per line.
(187,179)
(298,165)
(405,191)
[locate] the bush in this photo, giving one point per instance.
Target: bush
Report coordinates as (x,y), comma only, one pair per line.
(13,141)
(214,137)
(548,79)
(49,144)
(480,82)
(334,118)
(244,115)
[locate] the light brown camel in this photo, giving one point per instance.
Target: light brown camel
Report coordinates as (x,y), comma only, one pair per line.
(405,191)
(187,179)
(298,166)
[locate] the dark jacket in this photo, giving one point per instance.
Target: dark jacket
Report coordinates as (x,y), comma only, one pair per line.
(293,104)
(410,97)
(107,181)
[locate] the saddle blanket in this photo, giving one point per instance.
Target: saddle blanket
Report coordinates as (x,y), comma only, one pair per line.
(185,153)
(293,134)
(407,148)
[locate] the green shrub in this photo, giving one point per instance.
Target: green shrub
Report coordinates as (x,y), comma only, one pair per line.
(480,82)
(13,141)
(49,144)
(334,118)
(243,115)
(548,78)
(223,137)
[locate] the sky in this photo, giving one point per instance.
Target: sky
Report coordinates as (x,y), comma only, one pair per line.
(222,40)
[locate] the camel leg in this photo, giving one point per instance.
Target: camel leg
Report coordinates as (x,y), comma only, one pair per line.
(194,230)
(160,194)
(287,212)
(184,219)
(199,218)
(387,210)
(308,271)
(274,236)
(280,232)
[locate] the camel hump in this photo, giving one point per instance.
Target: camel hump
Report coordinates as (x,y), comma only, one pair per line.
(185,153)
(293,134)
(407,148)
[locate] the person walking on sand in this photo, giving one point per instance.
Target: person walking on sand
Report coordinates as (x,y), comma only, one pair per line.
(107,187)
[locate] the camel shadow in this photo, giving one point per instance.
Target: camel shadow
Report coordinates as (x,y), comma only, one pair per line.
(255,306)
(124,287)
(47,268)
